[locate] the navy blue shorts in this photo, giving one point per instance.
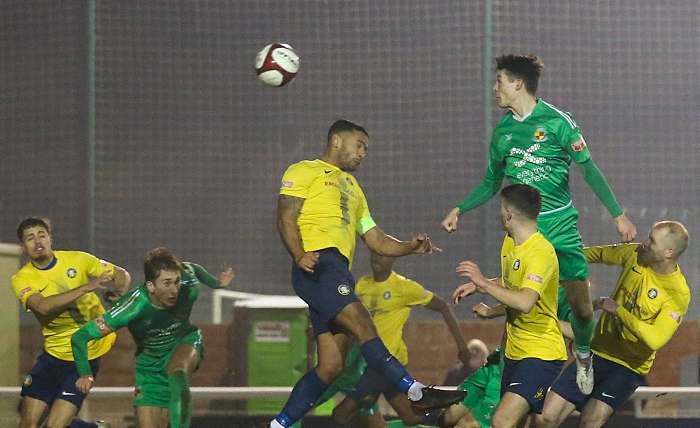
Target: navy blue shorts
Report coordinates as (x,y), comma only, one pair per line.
(51,379)
(327,291)
(371,385)
(530,378)
(613,384)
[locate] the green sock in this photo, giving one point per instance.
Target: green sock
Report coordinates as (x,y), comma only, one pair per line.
(583,333)
(180,400)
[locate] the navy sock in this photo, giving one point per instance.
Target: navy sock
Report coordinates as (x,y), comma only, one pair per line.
(79,423)
(304,394)
(380,359)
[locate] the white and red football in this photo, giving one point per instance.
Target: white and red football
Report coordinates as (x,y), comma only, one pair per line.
(277,64)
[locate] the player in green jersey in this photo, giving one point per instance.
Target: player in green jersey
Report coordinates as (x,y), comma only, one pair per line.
(168,347)
(534,144)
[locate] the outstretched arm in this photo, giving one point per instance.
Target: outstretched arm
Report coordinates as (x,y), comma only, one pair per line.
(79,342)
(439,305)
(523,299)
(56,304)
(209,280)
(386,245)
(601,188)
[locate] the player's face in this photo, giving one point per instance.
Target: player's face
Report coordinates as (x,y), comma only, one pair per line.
(381,265)
(163,292)
(353,146)
(504,89)
(654,248)
(36,242)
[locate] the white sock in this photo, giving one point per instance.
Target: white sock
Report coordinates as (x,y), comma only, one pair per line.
(415,391)
(275,424)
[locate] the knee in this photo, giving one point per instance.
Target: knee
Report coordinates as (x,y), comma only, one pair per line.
(545,421)
(329,372)
(341,415)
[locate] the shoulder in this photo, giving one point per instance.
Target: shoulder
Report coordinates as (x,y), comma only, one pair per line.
(551,112)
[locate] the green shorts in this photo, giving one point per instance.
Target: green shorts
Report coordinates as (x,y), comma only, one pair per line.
(484,393)
(563,307)
(151,380)
(560,229)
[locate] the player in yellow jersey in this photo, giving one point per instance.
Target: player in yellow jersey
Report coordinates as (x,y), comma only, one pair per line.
(320,211)
(389,298)
(645,309)
(58,288)
(534,351)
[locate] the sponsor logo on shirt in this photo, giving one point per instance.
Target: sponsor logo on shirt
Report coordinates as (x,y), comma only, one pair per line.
(578,146)
(102,326)
(540,135)
(24,291)
(536,278)
(676,317)
(72,272)
(287,184)
(652,293)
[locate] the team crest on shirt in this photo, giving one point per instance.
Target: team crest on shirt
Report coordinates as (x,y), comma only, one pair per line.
(652,293)
(71,273)
(27,380)
(387,295)
(137,392)
(540,135)
(516,264)
(349,181)
(343,289)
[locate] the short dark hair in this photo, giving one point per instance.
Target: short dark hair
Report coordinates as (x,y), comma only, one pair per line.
(525,199)
(30,222)
(159,259)
(528,68)
(343,125)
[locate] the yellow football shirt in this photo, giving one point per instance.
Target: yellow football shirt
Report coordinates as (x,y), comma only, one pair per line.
(533,264)
(71,270)
(390,304)
(651,309)
(334,209)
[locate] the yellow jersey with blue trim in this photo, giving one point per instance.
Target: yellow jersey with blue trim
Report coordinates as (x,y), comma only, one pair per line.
(651,307)
(537,334)
(334,210)
(390,302)
(69,270)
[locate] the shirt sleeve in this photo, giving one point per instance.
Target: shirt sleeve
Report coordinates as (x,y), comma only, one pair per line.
(538,270)
(205,277)
(415,294)
(79,343)
(600,186)
(296,181)
(365,222)
(570,138)
(658,333)
(489,186)
(23,287)
(96,267)
(609,254)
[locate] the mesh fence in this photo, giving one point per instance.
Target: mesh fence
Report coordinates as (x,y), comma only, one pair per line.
(190,146)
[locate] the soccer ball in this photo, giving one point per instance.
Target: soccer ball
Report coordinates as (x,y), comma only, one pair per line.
(277,64)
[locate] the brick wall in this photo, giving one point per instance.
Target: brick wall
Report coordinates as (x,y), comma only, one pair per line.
(431,350)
